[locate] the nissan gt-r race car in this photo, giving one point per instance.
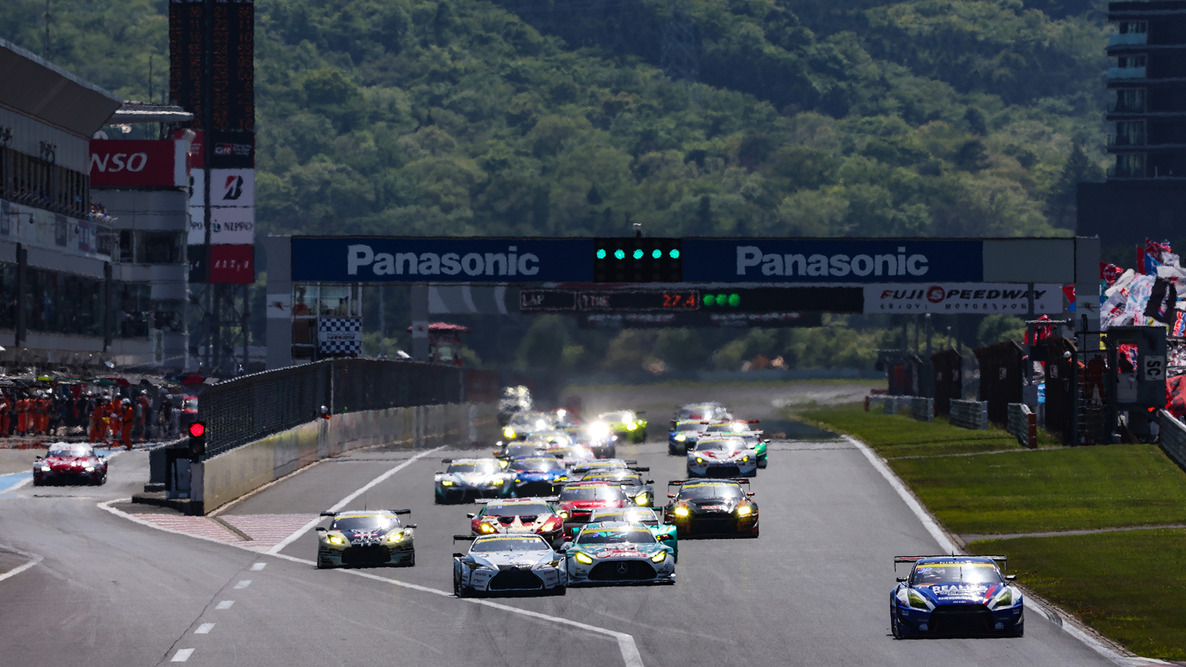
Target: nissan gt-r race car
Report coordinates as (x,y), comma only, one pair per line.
(508,564)
(578,500)
(647,517)
(365,537)
(518,516)
(625,425)
(464,479)
(955,595)
(712,507)
(70,463)
(638,490)
(722,457)
(537,475)
(746,430)
(684,435)
(618,553)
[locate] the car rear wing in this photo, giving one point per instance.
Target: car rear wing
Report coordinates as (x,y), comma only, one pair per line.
(331,513)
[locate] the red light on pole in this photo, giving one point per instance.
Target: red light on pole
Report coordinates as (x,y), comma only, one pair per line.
(197,429)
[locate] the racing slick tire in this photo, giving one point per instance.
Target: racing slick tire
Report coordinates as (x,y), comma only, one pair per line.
(897,628)
(762,462)
(1018,630)
(322,565)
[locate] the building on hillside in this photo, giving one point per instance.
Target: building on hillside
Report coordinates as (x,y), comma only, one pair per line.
(1144,194)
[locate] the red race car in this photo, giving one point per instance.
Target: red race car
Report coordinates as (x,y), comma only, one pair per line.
(579,499)
(70,463)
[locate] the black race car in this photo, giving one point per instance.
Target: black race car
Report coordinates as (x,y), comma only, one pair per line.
(712,507)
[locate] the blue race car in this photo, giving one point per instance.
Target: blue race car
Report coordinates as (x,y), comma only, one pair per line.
(537,475)
(955,595)
(683,435)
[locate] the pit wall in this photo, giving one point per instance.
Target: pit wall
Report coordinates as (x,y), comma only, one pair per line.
(231,475)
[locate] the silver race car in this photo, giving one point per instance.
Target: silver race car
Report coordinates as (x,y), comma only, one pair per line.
(365,537)
(722,457)
(466,479)
(508,564)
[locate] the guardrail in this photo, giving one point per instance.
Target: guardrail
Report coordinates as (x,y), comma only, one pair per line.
(1023,425)
(970,414)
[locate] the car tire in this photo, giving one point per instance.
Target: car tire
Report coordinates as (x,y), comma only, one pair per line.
(322,565)
(560,590)
(411,561)
(897,628)
(762,462)
(1018,630)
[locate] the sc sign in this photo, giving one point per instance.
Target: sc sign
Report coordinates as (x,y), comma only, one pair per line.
(441,260)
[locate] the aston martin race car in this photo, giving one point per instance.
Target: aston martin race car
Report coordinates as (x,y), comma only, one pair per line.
(955,595)
(618,553)
(638,490)
(747,430)
(712,507)
(522,424)
(365,537)
(537,475)
(648,517)
(684,435)
(518,516)
(625,425)
(70,463)
(578,500)
(508,564)
(722,457)
(464,479)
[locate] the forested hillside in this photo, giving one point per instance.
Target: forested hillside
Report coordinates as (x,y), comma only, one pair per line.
(812,118)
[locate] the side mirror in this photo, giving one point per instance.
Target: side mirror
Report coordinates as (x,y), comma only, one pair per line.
(564,547)
(470,515)
(749,493)
(38,458)
(410,525)
(1010,577)
(671,495)
(458,555)
(438,472)
(649,481)
(901,579)
(322,529)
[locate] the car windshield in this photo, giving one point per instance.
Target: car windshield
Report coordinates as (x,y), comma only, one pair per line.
(718,445)
(710,491)
(542,464)
(727,427)
(623,477)
(640,515)
(592,492)
(65,450)
(475,466)
(530,422)
(686,427)
(615,535)
(517,509)
(510,543)
(951,573)
(369,523)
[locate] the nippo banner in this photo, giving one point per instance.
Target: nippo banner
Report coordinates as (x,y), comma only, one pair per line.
(979,298)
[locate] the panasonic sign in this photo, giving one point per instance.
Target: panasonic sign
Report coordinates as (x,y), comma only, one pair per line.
(822,266)
(431,260)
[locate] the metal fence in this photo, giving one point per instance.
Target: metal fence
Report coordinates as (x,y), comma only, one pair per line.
(251,407)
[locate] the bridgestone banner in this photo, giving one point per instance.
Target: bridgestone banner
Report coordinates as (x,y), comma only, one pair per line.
(950,298)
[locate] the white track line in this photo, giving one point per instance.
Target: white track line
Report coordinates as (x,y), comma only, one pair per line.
(948,546)
(33,560)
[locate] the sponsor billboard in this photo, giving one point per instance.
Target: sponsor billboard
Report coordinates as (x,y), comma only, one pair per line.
(232,187)
(232,150)
(232,226)
(437,260)
(824,261)
(232,264)
(975,298)
(138,163)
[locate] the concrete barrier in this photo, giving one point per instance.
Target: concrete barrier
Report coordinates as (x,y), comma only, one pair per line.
(1023,424)
(969,414)
(233,474)
(922,408)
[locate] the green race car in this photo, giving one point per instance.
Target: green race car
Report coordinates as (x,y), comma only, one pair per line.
(625,425)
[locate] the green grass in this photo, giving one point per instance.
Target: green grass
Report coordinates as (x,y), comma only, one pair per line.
(901,435)
(1128,585)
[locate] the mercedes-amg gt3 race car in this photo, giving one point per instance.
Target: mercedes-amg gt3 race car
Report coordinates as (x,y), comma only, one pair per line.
(508,564)
(465,479)
(712,507)
(618,553)
(517,516)
(955,595)
(722,457)
(365,537)
(70,463)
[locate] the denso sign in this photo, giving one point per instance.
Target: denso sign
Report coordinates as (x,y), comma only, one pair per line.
(140,163)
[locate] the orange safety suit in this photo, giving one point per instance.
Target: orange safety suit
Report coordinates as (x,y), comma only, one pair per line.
(142,419)
(5,415)
(113,423)
(22,416)
(97,424)
(126,418)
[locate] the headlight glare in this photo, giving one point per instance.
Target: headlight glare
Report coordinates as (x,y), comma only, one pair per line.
(334,539)
(395,537)
(659,557)
(681,511)
(641,499)
(446,483)
(497,481)
(583,559)
(486,528)
(745,510)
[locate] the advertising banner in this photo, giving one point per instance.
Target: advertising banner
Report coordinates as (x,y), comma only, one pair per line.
(339,335)
(831,261)
(138,163)
(232,150)
(441,260)
(976,298)
(232,226)
(232,264)
(232,187)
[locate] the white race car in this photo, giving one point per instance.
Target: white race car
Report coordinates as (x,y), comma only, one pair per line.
(508,564)
(722,457)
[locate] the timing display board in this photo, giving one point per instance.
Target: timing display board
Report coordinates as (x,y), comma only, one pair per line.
(731,300)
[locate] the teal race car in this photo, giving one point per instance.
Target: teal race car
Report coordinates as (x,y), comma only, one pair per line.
(647,517)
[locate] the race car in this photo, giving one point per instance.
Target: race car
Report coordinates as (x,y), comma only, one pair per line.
(722,457)
(683,436)
(618,553)
(515,449)
(599,465)
(712,507)
(537,475)
(578,500)
(709,411)
(522,424)
(572,455)
(365,537)
(648,517)
(625,425)
(508,564)
(472,478)
(70,463)
(743,429)
(638,490)
(518,516)
(955,595)
(549,438)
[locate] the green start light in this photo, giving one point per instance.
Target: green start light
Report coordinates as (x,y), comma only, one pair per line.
(656,253)
(732,300)
(601,253)
(638,253)
(619,254)
(674,253)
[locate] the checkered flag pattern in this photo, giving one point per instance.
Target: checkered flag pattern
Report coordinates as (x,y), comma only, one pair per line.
(340,335)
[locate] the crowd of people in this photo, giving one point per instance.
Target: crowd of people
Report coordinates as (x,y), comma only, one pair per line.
(112,418)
